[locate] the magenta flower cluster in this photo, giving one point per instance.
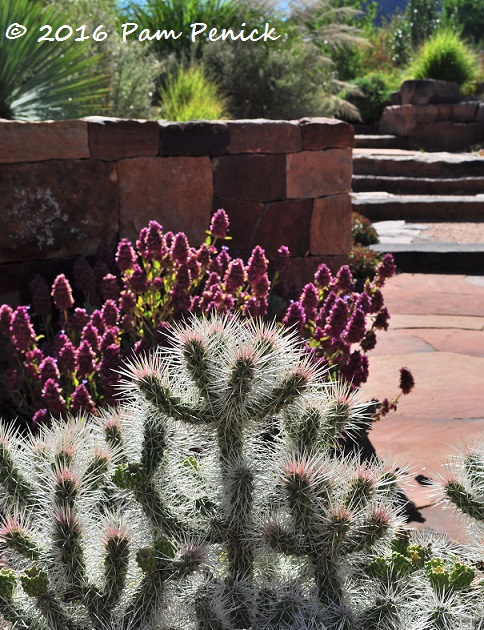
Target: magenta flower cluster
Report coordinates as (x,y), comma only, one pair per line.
(339,323)
(72,364)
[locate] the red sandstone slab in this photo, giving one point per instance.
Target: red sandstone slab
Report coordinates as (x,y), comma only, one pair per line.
(469,342)
(399,342)
(193,138)
(398,120)
(325,133)
(264,136)
(285,223)
(302,270)
(253,177)
(462,322)
(318,173)
(163,189)
(115,139)
(446,522)
(434,294)
(39,141)
(447,385)
(331,226)
(244,217)
(54,209)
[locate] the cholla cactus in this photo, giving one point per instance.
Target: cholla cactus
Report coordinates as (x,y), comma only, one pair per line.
(214,497)
(462,488)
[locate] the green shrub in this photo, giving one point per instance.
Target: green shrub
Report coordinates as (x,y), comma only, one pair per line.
(190,95)
(445,57)
(373,97)
(362,230)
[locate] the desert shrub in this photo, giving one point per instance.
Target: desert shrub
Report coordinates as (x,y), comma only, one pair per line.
(446,57)
(176,511)
(190,95)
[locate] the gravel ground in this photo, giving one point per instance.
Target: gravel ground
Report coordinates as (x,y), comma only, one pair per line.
(452,233)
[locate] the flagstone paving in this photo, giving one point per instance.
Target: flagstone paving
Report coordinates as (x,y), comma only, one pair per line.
(436,331)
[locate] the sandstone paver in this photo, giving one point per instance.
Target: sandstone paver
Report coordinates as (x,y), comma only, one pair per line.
(436,331)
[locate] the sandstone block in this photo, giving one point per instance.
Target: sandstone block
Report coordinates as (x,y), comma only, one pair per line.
(325,133)
(446,136)
(38,141)
(302,270)
(480,113)
(427,91)
(253,177)
(195,138)
(244,216)
(115,139)
(60,208)
(285,223)
(318,173)
(427,113)
(398,120)
(176,192)
(331,226)
(264,136)
(465,112)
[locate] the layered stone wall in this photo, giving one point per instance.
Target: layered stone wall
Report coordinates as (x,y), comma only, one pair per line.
(68,186)
(434,117)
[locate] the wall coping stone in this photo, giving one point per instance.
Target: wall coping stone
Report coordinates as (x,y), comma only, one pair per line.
(32,141)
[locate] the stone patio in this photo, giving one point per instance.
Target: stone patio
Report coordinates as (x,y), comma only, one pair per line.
(437,331)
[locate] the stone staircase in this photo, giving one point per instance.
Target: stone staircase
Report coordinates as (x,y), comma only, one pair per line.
(393,184)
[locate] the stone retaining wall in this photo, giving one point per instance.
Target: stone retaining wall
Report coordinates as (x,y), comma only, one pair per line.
(435,117)
(67,186)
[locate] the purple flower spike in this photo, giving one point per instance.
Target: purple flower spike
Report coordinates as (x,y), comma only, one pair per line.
(282,258)
(220,224)
(235,278)
(356,328)
(110,313)
(295,316)
(62,293)
(407,382)
(81,401)
(52,397)
(79,318)
(48,370)
(182,278)
(257,265)
(194,267)
(338,318)
(67,358)
(6,312)
(125,255)
(223,260)
(137,281)
(91,334)
(322,277)
(364,303)
(309,300)
(261,287)
(255,307)
(180,249)
(40,417)
(127,301)
(154,240)
(376,301)
(344,279)
(21,330)
(381,319)
(203,254)
(85,359)
(109,338)
(41,303)
(110,287)
(386,269)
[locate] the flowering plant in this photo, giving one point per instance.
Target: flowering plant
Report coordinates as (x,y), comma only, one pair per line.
(71,365)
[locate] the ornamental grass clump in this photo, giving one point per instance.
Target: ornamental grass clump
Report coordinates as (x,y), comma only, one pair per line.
(215,496)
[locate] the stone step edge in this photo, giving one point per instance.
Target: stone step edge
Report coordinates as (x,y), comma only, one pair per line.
(436,257)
